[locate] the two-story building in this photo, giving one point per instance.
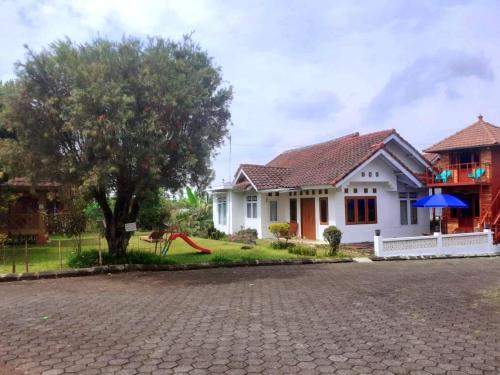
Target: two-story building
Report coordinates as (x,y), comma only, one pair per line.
(467,165)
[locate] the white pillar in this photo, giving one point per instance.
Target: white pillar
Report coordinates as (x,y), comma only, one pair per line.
(378,244)
(439,236)
(490,240)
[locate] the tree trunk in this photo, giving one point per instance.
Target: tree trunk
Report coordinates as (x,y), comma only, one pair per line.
(125,211)
(116,237)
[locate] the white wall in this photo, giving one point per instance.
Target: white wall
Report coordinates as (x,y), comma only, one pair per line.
(283,211)
(237,213)
(388,217)
(480,243)
(376,171)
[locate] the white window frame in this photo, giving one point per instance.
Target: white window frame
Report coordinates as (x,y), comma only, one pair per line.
(222,210)
(251,207)
(409,198)
(273,211)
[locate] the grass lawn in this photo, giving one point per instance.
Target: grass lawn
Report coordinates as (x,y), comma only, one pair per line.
(46,257)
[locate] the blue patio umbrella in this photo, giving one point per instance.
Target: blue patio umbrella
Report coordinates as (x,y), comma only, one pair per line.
(440,201)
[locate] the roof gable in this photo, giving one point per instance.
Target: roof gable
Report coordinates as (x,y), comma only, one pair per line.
(480,133)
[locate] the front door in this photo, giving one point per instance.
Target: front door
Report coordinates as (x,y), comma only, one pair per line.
(307,215)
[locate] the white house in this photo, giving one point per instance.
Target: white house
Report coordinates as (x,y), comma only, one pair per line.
(358,183)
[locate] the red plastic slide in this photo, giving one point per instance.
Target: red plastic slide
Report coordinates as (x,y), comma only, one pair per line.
(189,241)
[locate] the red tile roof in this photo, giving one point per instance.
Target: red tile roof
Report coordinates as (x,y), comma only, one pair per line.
(320,164)
(480,133)
(265,177)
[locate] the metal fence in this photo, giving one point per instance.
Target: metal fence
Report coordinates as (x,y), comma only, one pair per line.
(54,254)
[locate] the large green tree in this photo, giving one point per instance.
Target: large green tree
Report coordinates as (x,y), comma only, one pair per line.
(120,119)
(6,139)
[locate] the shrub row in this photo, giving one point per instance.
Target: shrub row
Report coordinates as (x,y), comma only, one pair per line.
(90,258)
(302,250)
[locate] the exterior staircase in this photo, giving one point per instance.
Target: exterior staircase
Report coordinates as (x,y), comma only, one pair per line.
(495,227)
(492,217)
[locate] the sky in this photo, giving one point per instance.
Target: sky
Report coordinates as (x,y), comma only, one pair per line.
(304,72)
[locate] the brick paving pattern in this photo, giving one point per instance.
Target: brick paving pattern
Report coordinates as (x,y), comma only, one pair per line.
(414,317)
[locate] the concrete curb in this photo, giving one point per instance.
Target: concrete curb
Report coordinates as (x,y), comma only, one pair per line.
(430,257)
(157,267)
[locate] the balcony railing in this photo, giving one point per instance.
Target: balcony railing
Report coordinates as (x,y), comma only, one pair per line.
(459,174)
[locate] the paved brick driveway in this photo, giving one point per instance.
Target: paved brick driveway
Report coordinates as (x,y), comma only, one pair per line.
(415,317)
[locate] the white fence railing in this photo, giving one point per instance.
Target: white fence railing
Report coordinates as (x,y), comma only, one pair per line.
(479,243)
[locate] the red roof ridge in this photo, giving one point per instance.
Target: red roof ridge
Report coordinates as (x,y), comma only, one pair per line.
(259,165)
(344,137)
(351,135)
(487,127)
(451,142)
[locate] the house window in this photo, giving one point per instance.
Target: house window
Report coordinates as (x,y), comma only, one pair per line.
(222,210)
(323,210)
(273,211)
(413,212)
(293,210)
(406,209)
(403,212)
(361,210)
(252,207)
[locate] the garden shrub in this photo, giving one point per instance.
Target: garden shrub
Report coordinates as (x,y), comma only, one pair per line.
(280,245)
(302,250)
(83,259)
(90,258)
(213,233)
(280,230)
(247,236)
(333,236)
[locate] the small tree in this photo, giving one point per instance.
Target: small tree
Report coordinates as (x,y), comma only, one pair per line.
(333,236)
(74,222)
(280,230)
